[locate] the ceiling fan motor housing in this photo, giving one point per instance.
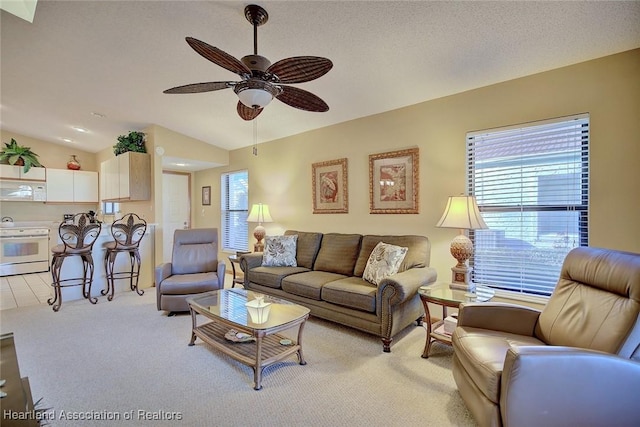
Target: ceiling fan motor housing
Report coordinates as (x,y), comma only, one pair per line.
(256,63)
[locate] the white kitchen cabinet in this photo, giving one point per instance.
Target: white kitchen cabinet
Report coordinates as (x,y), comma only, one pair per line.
(126,177)
(17,172)
(65,185)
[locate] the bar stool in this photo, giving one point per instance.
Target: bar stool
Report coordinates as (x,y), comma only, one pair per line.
(78,235)
(127,233)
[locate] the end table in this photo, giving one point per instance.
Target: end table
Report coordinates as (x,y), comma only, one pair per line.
(441,294)
(237,279)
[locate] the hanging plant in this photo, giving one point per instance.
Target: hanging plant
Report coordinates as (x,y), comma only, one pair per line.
(134,141)
(19,155)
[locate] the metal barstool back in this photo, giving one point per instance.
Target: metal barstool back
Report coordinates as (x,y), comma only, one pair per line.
(77,236)
(127,233)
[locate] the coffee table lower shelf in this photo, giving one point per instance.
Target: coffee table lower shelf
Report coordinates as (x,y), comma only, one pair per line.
(264,351)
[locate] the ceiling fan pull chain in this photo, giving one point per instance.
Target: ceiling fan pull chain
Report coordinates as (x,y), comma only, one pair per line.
(255,137)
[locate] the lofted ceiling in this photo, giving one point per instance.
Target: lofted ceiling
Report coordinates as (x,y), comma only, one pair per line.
(103,65)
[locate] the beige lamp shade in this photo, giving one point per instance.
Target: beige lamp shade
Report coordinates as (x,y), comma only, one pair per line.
(462,213)
(259,213)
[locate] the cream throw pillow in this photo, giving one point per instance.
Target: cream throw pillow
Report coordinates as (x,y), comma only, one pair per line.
(384,261)
(280,251)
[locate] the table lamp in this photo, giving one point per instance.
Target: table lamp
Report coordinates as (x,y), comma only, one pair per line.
(462,213)
(259,213)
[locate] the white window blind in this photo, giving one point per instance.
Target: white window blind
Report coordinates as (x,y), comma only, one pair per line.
(234,210)
(532,186)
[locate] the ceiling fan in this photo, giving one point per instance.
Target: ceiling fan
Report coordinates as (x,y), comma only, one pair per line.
(261,80)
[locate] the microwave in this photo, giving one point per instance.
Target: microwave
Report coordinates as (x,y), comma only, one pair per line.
(22,191)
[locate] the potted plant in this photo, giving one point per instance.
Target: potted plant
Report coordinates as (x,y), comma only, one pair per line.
(19,155)
(134,141)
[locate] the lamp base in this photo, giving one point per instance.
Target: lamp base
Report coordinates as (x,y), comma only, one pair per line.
(258,247)
(259,233)
(461,279)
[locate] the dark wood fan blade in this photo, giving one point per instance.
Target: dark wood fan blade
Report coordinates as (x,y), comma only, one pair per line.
(300,69)
(200,87)
(301,99)
(248,113)
(219,57)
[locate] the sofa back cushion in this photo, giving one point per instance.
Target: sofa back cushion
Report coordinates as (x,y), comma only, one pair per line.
(596,302)
(307,247)
(418,255)
(338,253)
(195,251)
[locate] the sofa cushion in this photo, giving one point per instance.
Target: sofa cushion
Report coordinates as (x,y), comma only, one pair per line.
(307,247)
(418,255)
(352,292)
(184,284)
(384,261)
(272,276)
(482,353)
(280,251)
(309,284)
(338,253)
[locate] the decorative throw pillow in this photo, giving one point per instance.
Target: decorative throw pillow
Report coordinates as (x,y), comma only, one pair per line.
(280,251)
(384,261)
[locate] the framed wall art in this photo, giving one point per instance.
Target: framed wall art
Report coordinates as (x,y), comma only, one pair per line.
(393,182)
(206,196)
(329,187)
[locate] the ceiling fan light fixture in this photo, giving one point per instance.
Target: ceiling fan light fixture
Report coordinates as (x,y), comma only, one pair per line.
(255,93)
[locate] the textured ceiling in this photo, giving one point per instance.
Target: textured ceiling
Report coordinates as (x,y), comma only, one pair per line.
(116,57)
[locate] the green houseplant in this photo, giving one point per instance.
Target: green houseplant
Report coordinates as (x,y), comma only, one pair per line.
(134,141)
(19,155)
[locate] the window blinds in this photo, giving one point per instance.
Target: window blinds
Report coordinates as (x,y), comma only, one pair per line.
(531,183)
(234,210)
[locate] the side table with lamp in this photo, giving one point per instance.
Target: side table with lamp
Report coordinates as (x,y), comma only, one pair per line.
(462,213)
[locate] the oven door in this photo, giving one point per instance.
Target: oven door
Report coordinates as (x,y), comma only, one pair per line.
(24,254)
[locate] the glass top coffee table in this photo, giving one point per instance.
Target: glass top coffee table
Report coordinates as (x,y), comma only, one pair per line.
(231,330)
(441,294)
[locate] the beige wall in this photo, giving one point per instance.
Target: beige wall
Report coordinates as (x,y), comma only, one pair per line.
(607,88)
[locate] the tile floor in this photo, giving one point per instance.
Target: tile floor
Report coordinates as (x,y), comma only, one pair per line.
(26,289)
(35,288)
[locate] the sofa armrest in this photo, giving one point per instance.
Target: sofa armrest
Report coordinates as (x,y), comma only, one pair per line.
(249,261)
(503,317)
(162,272)
(551,385)
(406,284)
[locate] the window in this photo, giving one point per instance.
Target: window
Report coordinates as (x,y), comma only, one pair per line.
(234,188)
(532,186)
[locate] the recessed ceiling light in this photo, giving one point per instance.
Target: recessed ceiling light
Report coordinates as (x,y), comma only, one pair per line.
(79,129)
(67,139)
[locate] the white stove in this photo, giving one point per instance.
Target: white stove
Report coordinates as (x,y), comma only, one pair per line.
(23,250)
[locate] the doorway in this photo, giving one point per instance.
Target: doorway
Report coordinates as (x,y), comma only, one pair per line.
(176,207)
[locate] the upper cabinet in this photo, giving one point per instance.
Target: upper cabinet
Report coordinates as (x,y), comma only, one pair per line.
(16,172)
(65,185)
(126,177)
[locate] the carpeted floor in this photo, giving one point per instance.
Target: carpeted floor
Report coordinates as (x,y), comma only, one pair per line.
(126,362)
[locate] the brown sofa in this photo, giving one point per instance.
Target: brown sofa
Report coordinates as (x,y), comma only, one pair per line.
(328,280)
(575,363)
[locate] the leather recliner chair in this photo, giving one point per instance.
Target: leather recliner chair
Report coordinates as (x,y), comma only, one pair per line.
(194,268)
(575,363)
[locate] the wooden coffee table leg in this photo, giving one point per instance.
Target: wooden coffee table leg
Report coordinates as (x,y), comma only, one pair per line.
(193,326)
(257,369)
(300,355)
